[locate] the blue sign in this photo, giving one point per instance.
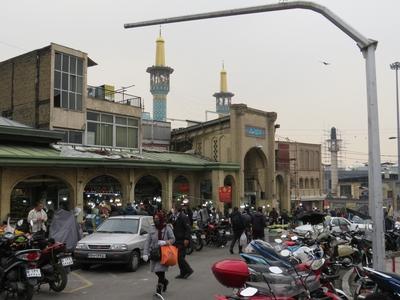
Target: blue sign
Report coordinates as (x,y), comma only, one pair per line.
(255,131)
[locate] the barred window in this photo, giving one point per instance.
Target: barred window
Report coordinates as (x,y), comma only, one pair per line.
(68,81)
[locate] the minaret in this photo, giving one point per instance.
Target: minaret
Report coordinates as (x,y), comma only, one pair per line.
(334,147)
(159,82)
(223,97)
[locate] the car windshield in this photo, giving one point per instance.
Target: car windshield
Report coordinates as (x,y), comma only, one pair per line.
(119,226)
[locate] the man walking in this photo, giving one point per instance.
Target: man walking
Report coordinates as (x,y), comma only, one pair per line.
(237,228)
(259,223)
(182,231)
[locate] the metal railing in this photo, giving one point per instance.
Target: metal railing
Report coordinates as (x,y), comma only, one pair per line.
(101,93)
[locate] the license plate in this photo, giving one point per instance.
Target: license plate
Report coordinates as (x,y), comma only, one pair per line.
(67,261)
(227,233)
(96,255)
(31,273)
(203,236)
(194,237)
(221,232)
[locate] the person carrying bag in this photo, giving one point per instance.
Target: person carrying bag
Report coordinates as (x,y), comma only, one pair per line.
(161,236)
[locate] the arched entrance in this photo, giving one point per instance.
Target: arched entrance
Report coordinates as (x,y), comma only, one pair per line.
(104,190)
(280,191)
(255,169)
(180,190)
(148,190)
(51,190)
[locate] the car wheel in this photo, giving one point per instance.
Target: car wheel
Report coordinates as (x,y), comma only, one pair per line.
(133,263)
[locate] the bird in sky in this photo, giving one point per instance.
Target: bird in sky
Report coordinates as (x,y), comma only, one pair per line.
(325,63)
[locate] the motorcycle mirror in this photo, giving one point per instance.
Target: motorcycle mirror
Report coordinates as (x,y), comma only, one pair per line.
(294,238)
(20,222)
(278,241)
(285,253)
(275,270)
(248,292)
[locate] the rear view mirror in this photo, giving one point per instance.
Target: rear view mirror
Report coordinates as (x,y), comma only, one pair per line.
(275,270)
(143,232)
(248,292)
(285,253)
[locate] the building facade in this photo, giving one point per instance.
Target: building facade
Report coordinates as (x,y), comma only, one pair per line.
(301,164)
(47,89)
(244,137)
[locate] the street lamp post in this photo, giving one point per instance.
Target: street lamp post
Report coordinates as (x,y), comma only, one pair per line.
(367,47)
(396,66)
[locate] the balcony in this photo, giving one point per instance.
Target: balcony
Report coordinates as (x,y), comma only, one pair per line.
(109,94)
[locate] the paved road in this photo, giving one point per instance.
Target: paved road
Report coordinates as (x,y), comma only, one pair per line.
(111,282)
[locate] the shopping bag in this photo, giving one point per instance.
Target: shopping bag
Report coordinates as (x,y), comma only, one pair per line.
(243,240)
(169,255)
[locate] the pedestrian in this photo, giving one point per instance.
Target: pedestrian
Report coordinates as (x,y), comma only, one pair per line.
(37,217)
(182,232)
(285,217)
(248,220)
(64,228)
(238,228)
(160,234)
(202,216)
(129,210)
(259,224)
(273,216)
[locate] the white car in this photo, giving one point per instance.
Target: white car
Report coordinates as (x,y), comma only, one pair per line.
(339,224)
(118,240)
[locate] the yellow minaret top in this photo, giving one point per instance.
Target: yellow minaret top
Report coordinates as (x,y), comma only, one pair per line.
(160,52)
(224,81)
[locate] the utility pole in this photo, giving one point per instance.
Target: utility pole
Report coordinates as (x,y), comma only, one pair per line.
(396,66)
(367,47)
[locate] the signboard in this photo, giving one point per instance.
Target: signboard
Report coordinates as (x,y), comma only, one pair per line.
(255,131)
(225,194)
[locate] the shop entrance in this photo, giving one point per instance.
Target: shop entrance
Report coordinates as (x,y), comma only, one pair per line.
(51,190)
(103,190)
(255,165)
(148,190)
(180,191)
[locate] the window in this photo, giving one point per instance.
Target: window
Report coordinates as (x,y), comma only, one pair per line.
(110,130)
(68,81)
(71,136)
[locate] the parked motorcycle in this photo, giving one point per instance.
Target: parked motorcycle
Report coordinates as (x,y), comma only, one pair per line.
(383,284)
(19,272)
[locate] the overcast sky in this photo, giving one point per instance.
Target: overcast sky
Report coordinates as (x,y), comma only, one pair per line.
(273,59)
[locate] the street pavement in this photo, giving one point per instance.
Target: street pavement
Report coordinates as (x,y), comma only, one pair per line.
(112,282)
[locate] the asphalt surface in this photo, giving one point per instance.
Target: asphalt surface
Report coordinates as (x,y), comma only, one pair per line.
(112,282)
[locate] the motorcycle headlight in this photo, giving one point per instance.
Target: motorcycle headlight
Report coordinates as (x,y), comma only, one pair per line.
(119,247)
(81,246)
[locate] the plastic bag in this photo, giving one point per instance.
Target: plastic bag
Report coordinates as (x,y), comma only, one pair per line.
(169,255)
(243,240)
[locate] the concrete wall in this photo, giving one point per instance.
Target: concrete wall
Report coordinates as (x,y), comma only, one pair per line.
(112,107)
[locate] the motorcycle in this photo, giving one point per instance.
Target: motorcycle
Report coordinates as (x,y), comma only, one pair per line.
(19,273)
(383,284)
(276,284)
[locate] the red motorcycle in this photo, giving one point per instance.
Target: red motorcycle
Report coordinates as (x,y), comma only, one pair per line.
(274,285)
(55,262)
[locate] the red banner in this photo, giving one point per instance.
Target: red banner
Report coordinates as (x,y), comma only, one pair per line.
(225,194)
(184,187)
